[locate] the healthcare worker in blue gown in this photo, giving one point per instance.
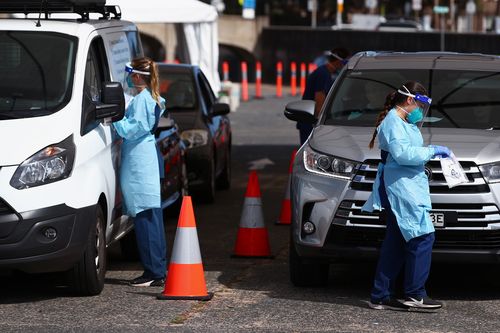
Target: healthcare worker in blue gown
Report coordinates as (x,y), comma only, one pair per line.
(140,169)
(401,189)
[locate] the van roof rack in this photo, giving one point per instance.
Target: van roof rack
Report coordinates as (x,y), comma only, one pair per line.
(46,7)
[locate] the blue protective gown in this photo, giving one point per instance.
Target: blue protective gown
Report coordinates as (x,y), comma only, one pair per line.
(406,184)
(139,171)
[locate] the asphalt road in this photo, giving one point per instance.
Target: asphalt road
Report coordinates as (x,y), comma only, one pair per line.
(251,295)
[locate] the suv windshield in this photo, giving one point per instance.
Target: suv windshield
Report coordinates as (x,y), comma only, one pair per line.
(178,90)
(36,71)
(460,98)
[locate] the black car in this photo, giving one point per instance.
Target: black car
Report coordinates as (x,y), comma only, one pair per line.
(204,126)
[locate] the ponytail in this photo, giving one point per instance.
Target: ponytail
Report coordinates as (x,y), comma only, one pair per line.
(152,80)
(389,104)
(154,84)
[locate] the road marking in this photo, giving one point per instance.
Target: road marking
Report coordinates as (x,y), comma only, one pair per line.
(259,164)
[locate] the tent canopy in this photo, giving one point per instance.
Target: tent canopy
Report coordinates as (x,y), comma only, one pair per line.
(199,28)
(165,11)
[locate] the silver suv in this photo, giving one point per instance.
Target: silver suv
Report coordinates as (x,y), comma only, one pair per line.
(334,170)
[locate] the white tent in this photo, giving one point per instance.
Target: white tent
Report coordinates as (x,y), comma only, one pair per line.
(199,27)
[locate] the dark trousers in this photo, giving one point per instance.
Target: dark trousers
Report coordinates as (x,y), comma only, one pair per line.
(150,235)
(414,255)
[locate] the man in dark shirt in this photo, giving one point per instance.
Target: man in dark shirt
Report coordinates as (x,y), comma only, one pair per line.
(319,83)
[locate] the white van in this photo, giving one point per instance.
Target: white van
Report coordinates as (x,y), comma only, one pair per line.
(60,203)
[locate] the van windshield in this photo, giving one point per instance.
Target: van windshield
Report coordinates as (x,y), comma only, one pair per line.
(36,71)
(460,98)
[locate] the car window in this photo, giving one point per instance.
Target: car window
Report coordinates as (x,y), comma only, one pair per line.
(460,99)
(179,91)
(206,91)
(95,74)
(37,70)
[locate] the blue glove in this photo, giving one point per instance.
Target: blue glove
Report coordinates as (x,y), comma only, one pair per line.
(441,151)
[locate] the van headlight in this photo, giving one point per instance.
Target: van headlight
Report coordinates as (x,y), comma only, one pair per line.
(491,172)
(328,165)
(49,165)
(195,138)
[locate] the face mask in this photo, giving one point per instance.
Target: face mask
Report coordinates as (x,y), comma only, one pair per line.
(130,84)
(416,115)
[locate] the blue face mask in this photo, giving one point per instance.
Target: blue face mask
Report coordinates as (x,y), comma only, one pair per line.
(416,115)
(130,84)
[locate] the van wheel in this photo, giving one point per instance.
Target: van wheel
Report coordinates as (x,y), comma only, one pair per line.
(87,277)
(224,180)
(306,274)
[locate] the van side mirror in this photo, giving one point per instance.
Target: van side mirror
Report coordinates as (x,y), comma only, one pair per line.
(113,102)
(302,111)
(220,109)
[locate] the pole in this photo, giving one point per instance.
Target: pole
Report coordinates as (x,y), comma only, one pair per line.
(340,10)
(442,31)
(314,13)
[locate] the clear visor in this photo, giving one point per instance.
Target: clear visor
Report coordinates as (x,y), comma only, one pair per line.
(422,101)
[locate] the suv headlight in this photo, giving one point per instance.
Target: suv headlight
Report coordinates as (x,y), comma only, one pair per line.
(195,138)
(491,172)
(328,165)
(49,165)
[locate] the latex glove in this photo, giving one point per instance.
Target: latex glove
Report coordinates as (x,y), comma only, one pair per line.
(441,151)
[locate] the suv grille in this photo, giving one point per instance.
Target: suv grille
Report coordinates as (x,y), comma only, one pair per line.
(468,215)
(455,239)
(365,176)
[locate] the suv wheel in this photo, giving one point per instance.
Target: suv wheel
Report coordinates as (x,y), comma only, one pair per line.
(306,274)
(87,277)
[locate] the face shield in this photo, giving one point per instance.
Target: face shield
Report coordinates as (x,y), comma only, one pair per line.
(423,104)
(129,88)
(336,56)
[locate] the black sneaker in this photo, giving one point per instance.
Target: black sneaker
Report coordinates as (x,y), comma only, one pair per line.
(422,303)
(141,281)
(158,283)
(388,304)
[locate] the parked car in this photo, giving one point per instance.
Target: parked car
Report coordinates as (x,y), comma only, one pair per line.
(334,170)
(60,202)
(204,126)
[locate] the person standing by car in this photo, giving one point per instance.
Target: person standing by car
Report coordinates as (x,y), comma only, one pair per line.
(319,83)
(401,188)
(140,171)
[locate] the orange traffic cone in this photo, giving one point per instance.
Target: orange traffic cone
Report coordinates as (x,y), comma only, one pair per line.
(286,207)
(185,278)
(252,239)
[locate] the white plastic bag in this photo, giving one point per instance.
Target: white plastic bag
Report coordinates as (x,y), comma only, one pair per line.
(453,172)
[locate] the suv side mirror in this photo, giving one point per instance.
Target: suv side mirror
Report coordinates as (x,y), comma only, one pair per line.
(113,102)
(302,111)
(164,124)
(220,109)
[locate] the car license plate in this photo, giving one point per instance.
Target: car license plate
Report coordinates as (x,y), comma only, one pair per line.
(437,219)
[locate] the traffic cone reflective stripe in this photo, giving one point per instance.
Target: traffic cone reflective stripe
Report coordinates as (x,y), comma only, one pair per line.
(286,206)
(252,239)
(186,278)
